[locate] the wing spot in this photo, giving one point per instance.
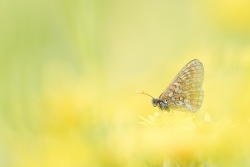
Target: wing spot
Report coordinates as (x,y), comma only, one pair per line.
(176,83)
(179,103)
(186,101)
(195,107)
(189,107)
(180,91)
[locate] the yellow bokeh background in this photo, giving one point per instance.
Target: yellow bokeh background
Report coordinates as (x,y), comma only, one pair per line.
(69,70)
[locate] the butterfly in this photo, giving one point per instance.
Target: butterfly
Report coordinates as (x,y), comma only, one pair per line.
(185,92)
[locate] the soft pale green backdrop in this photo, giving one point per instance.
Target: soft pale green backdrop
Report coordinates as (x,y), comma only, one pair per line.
(69,70)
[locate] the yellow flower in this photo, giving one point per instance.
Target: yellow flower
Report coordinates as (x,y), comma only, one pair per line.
(181,138)
(173,119)
(208,126)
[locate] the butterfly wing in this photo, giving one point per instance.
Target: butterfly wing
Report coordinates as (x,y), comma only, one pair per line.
(185,92)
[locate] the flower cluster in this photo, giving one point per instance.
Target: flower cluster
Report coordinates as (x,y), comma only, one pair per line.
(185,140)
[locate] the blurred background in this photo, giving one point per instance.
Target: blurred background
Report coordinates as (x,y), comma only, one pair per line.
(69,70)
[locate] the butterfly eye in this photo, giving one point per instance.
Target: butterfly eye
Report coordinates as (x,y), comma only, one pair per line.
(154,102)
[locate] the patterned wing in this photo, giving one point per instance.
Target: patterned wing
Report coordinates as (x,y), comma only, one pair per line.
(185,91)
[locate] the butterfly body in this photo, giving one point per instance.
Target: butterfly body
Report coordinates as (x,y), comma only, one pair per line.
(185,92)
(161,103)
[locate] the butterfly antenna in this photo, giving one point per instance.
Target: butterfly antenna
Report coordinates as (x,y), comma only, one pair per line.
(143,93)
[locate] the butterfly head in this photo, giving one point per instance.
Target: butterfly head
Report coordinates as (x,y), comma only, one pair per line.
(155,102)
